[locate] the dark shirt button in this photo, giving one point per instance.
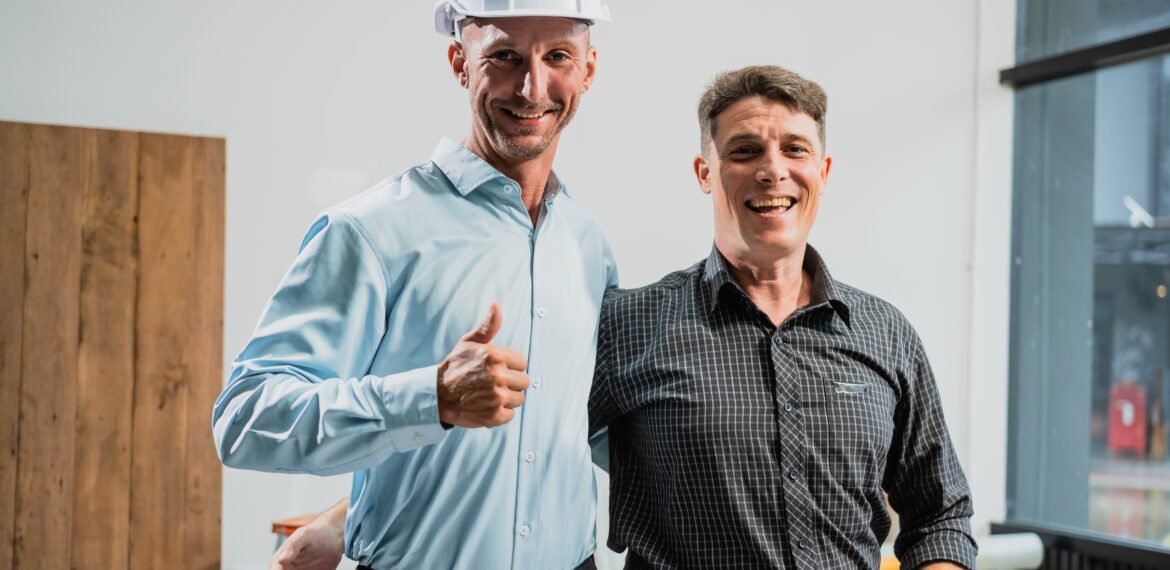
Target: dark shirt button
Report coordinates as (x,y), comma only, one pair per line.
(802,544)
(788,406)
(792,474)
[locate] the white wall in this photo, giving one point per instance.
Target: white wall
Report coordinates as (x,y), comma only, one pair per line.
(319,100)
(984,451)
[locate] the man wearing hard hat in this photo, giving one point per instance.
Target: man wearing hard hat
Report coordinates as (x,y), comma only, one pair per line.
(374,355)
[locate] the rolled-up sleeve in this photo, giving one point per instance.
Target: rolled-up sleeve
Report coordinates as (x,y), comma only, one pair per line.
(924,480)
(299,398)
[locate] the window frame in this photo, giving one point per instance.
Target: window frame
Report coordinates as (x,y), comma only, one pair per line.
(1058,539)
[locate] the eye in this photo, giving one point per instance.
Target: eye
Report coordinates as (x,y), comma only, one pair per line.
(743,151)
(559,56)
(796,149)
(504,55)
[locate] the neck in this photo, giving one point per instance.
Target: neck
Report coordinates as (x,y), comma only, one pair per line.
(531,174)
(777,286)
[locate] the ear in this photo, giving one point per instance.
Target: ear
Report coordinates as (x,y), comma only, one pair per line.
(703,173)
(457,57)
(590,68)
(825,167)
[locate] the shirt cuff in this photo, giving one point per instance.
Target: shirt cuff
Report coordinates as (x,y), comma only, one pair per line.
(940,546)
(412,399)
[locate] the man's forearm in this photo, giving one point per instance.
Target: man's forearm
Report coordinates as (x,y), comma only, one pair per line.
(334,517)
(281,422)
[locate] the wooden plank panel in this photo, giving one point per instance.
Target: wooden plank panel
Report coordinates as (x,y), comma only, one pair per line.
(14,149)
(204,471)
(44,493)
(163,360)
(105,390)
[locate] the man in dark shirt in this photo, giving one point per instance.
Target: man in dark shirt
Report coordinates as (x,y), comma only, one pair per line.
(756,407)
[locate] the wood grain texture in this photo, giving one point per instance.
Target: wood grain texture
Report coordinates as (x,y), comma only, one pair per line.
(105,389)
(14,148)
(44,488)
(166,281)
(204,472)
(111,340)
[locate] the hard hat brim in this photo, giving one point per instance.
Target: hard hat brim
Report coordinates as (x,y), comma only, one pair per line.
(447,16)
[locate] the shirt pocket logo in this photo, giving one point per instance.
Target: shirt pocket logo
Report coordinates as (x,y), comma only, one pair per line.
(852,388)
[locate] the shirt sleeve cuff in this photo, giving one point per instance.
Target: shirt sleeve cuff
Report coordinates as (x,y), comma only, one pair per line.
(412,399)
(940,546)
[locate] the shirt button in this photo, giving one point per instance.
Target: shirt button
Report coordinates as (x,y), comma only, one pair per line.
(509,189)
(418,438)
(792,475)
(540,312)
(802,544)
(524,530)
(530,456)
(536,382)
(788,406)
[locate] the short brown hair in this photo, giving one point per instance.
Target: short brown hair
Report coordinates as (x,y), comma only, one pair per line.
(768,81)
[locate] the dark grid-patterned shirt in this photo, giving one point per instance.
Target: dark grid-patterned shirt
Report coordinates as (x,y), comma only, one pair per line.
(738,444)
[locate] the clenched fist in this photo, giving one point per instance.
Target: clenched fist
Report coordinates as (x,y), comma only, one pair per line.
(481,385)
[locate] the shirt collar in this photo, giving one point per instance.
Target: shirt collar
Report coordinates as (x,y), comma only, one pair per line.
(468,172)
(824,288)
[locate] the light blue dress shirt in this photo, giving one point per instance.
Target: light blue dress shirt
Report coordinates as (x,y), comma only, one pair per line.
(340,374)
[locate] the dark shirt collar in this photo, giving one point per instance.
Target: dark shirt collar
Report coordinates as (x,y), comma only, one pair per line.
(824,289)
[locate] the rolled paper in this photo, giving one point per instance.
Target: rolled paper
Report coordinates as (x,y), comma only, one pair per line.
(1015,551)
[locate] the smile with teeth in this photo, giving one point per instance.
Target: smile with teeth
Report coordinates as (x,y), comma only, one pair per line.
(759,204)
(533,115)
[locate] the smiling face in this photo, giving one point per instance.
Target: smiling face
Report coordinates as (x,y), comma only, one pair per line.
(765,170)
(525,77)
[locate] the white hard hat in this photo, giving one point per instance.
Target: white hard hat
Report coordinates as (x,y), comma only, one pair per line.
(449,12)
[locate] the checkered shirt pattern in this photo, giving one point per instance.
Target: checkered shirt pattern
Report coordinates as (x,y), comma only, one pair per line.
(738,444)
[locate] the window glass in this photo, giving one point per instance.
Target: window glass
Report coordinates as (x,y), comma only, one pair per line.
(1049,27)
(1090,390)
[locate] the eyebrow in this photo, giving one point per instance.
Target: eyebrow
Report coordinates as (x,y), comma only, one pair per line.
(505,42)
(742,137)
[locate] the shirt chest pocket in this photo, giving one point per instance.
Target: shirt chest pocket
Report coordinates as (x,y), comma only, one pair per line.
(849,419)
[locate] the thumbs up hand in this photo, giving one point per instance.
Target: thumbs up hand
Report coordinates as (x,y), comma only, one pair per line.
(481,384)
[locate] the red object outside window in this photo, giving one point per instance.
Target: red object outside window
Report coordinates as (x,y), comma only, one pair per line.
(1127,419)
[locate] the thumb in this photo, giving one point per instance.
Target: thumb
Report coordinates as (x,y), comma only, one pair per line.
(487,330)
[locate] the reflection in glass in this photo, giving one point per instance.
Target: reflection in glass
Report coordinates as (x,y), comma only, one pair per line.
(1091,317)
(1049,27)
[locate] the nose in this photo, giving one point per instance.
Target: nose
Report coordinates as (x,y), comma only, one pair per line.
(535,80)
(772,168)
